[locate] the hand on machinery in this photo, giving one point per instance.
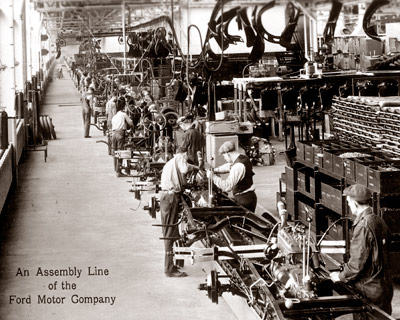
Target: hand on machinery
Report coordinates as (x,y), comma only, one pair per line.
(210,173)
(335,276)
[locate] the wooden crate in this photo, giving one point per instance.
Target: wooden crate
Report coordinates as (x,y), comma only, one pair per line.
(327,160)
(309,153)
(336,232)
(290,205)
(301,180)
(385,182)
(331,197)
(337,165)
(304,212)
(289,177)
(361,175)
(349,172)
(300,150)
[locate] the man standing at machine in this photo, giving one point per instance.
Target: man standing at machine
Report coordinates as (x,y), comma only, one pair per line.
(192,139)
(111,108)
(240,179)
(173,178)
(367,269)
(87,97)
(119,124)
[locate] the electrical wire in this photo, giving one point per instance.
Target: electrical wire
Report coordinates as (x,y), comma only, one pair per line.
(245,67)
(330,227)
(272,231)
(140,202)
(222,44)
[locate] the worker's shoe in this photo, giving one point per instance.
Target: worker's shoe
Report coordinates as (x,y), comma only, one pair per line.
(119,174)
(176,274)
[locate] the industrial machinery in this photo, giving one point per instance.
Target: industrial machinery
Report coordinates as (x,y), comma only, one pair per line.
(279,268)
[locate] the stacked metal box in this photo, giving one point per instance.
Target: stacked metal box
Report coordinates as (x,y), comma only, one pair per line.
(371,121)
(315,184)
(357,119)
(390,123)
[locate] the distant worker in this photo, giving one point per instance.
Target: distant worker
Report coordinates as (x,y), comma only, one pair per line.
(368,268)
(192,139)
(120,123)
(240,179)
(86,112)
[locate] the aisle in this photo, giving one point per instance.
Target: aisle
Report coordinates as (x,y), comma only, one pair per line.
(70,214)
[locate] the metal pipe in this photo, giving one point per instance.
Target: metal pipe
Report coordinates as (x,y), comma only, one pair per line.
(305,38)
(24,44)
(210,185)
(304,256)
(124,33)
(187,50)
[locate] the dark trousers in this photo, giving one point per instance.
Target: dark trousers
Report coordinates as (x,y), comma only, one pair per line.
(86,121)
(247,200)
(117,143)
(169,207)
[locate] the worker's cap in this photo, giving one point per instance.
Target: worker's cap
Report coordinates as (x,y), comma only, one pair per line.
(227,146)
(357,192)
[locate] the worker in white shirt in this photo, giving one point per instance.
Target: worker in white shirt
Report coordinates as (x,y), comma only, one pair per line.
(120,123)
(111,108)
(240,179)
(173,179)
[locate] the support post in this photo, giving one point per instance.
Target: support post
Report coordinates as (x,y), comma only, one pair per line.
(124,33)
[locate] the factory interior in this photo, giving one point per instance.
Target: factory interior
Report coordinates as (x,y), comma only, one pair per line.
(199,159)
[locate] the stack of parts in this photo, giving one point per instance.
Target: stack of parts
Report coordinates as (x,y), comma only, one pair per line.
(47,127)
(357,119)
(372,121)
(390,122)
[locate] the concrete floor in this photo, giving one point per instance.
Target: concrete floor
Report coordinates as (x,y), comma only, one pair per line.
(72,212)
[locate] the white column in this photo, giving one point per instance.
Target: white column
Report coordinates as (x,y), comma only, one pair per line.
(24,44)
(124,33)
(10,107)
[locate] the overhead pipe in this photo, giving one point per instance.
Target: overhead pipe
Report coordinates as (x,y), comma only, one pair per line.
(124,34)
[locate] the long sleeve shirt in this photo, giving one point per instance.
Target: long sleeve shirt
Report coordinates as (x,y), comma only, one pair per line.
(173,173)
(237,172)
(368,267)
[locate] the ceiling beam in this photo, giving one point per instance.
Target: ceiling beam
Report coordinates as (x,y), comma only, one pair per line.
(106,16)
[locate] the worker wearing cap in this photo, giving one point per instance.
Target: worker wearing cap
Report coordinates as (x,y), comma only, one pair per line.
(191,139)
(240,179)
(173,179)
(367,269)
